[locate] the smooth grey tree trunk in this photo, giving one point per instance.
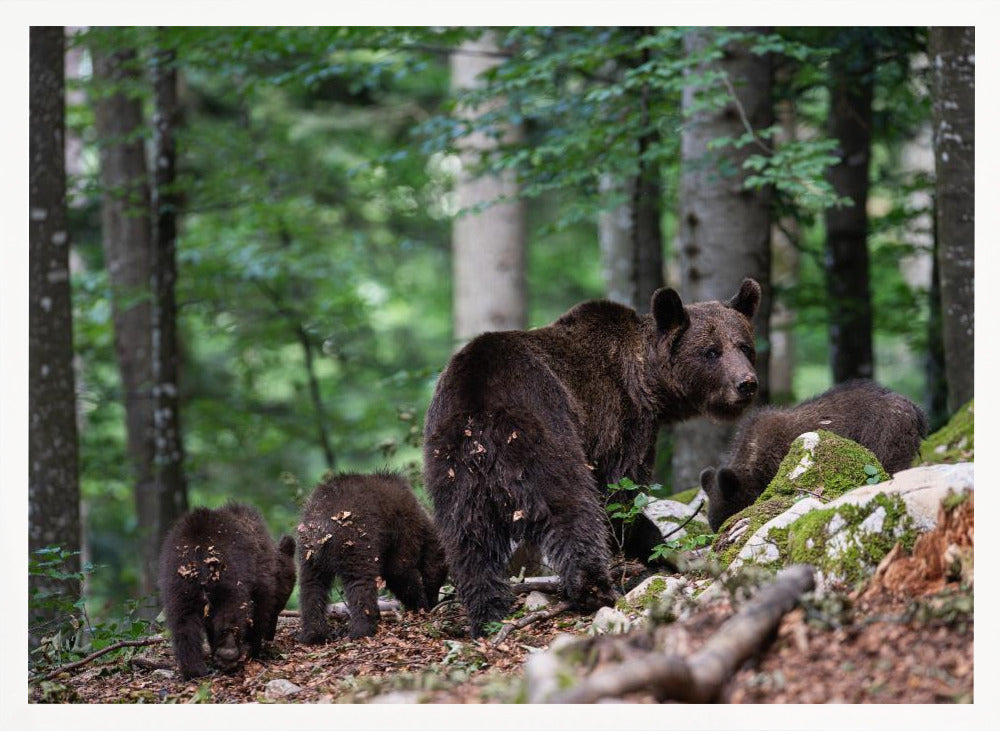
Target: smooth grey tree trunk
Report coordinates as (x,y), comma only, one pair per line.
(724,230)
(53,486)
(128,254)
(170,494)
(846,262)
(784,272)
(952,52)
(488,247)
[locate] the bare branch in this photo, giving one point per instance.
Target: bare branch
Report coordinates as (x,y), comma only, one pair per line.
(154,640)
(529,619)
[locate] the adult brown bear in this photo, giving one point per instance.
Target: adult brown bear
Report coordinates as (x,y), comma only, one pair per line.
(527,427)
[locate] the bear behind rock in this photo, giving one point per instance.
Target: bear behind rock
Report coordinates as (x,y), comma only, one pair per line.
(221,574)
(360,527)
(885,422)
(526,428)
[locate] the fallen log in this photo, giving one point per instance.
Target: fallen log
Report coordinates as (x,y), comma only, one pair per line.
(700,678)
(340,610)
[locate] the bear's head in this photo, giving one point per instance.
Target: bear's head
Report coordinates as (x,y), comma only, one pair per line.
(227,623)
(704,353)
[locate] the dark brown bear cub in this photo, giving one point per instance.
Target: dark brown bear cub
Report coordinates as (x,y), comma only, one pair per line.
(888,424)
(527,427)
(360,527)
(221,574)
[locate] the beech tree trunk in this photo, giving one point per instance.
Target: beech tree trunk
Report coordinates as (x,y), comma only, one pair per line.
(170,495)
(724,230)
(128,255)
(53,487)
(952,52)
(488,247)
(846,262)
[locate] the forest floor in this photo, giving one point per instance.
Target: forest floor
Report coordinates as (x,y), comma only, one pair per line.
(908,638)
(882,650)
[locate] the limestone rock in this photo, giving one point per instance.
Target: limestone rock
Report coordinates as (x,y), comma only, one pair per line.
(609,621)
(537,600)
(280,688)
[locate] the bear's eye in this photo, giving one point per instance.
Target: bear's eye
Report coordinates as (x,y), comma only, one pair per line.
(712,353)
(747,351)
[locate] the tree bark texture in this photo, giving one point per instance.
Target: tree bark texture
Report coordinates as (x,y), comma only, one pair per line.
(53,484)
(784,272)
(846,260)
(614,233)
(128,255)
(171,485)
(488,247)
(952,52)
(724,230)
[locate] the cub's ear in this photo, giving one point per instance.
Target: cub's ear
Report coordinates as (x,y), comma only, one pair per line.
(287,545)
(708,480)
(747,299)
(668,311)
(729,483)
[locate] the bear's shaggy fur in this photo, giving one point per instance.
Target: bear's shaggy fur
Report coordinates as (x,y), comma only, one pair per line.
(527,427)
(221,574)
(360,527)
(888,424)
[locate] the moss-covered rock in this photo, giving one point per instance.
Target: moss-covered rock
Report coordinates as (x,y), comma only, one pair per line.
(823,464)
(738,528)
(954,442)
(846,543)
(687,495)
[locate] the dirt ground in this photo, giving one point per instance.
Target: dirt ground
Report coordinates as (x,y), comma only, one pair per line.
(907,639)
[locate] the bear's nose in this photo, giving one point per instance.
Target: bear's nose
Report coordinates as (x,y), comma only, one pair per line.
(748,387)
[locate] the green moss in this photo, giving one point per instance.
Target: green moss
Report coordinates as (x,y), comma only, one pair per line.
(686,496)
(838,465)
(646,600)
(758,514)
(954,442)
(807,540)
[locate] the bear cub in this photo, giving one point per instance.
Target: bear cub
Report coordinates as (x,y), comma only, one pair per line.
(885,422)
(221,574)
(360,527)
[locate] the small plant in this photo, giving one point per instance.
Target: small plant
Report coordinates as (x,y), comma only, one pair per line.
(669,549)
(872,472)
(626,500)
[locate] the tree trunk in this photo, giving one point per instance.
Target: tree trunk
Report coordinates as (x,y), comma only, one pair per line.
(128,257)
(784,272)
(846,262)
(170,496)
(53,487)
(725,230)
(952,51)
(489,246)
(614,233)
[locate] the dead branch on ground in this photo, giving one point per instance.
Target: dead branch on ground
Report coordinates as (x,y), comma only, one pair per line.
(154,640)
(529,619)
(699,679)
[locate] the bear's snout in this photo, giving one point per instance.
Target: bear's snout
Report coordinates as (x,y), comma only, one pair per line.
(747,387)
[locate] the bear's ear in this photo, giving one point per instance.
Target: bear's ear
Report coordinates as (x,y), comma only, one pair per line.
(287,545)
(729,483)
(708,480)
(668,310)
(747,299)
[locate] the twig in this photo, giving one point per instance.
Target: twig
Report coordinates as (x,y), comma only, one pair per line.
(816,495)
(700,679)
(149,663)
(529,619)
(154,640)
(688,520)
(743,115)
